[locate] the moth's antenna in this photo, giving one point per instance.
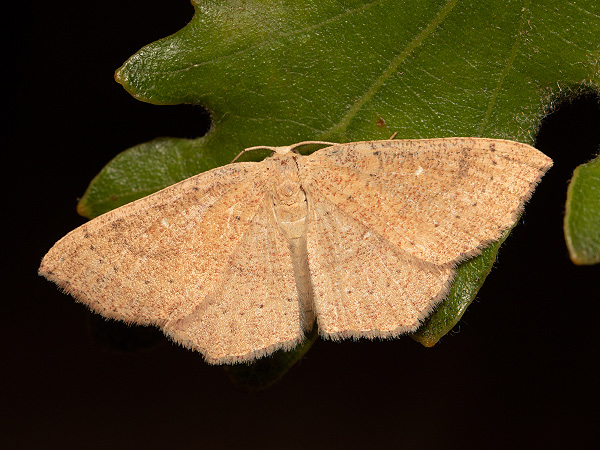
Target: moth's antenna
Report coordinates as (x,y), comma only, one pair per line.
(249,149)
(282,150)
(393,136)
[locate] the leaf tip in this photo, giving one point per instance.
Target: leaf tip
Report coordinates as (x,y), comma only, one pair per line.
(424,340)
(83,209)
(119,78)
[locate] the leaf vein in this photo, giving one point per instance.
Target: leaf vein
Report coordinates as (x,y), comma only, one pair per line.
(507,67)
(392,68)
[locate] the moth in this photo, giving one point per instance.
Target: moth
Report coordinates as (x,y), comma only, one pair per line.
(359,239)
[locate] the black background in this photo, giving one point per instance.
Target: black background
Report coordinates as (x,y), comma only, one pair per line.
(519,371)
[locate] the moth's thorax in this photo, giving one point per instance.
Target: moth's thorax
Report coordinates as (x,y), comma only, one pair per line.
(289,199)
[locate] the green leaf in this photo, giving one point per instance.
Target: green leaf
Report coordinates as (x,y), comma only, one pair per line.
(582,214)
(280,72)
